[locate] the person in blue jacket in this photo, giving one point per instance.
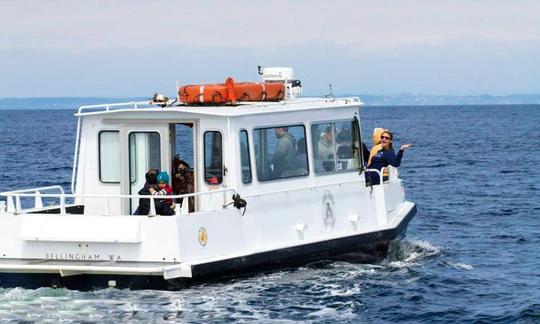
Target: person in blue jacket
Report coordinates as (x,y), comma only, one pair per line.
(384,157)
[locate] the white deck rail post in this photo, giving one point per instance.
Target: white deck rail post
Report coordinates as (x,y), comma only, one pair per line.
(379,199)
(107,208)
(38,203)
(62,204)
(152,207)
(10,204)
(18,206)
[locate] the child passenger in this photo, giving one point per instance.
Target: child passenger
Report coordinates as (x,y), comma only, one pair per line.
(163,206)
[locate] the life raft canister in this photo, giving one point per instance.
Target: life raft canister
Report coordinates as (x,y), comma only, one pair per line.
(231,92)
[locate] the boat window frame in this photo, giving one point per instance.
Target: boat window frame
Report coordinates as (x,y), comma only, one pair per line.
(99,155)
(307,154)
(351,120)
(131,182)
(248,155)
(204,157)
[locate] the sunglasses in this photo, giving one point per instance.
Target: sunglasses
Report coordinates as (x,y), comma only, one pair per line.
(386,137)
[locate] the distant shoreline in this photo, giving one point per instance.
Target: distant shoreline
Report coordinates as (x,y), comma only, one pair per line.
(56,103)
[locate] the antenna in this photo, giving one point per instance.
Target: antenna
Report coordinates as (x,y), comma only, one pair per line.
(325,44)
(331,94)
(246,54)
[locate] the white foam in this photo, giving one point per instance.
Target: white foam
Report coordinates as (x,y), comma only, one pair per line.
(460,265)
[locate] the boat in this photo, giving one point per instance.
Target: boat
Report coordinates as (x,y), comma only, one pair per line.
(265,193)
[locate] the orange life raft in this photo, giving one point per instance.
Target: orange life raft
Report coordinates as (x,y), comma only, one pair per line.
(230,92)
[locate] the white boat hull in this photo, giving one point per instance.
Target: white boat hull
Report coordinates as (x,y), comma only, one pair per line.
(69,270)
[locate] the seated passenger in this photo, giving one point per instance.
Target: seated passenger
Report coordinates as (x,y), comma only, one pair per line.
(151,182)
(163,206)
(377,132)
(384,157)
(183,181)
(325,146)
(300,160)
(284,156)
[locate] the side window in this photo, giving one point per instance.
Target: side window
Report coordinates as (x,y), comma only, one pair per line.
(244,157)
(323,139)
(280,152)
(144,154)
(333,147)
(213,159)
(109,156)
(345,157)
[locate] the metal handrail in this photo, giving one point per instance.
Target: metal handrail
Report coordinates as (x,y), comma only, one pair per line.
(17,209)
(107,107)
(38,203)
(33,189)
(378,172)
(299,188)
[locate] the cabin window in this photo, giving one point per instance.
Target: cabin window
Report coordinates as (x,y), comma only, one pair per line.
(213,159)
(333,147)
(280,152)
(109,156)
(144,154)
(245,161)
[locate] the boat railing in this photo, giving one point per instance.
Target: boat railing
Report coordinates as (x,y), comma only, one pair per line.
(118,105)
(379,172)
(391,171)
(14,199)
(285,191)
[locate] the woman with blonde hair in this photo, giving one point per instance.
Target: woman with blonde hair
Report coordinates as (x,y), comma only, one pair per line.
(384,157)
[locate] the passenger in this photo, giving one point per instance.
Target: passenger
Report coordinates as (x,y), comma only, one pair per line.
(285,154)
(151,182)
(183,181)
(325,146)
(384,157)
(163,206)
(377,132)
(300,161)
(344,136)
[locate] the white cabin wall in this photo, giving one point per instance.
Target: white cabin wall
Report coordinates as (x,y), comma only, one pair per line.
(88,181)
(213,202)
(262,225)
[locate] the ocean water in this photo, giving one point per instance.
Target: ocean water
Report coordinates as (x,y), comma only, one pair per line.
(472,252)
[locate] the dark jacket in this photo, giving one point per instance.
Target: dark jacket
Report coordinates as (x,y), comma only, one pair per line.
(382,159)
(163,206)
(365,153)
(144,204)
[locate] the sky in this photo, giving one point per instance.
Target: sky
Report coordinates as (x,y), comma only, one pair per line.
(135,48)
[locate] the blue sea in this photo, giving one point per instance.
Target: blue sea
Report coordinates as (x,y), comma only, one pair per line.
(472,252)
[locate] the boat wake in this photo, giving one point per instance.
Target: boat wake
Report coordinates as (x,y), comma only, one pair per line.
(407,253)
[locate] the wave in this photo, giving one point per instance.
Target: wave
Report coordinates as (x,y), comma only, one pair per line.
(406,253)
(457,265)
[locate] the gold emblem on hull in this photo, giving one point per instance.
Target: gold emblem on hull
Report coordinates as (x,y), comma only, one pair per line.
(203,236)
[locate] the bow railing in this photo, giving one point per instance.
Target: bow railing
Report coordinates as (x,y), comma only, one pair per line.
(13,199)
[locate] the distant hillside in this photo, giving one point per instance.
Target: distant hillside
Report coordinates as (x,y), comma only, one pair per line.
(419,100)
(57,103)
(371,100)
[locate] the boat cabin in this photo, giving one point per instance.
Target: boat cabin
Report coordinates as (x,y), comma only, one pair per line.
(251,147)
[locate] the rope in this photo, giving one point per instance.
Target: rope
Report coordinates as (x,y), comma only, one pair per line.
(238,202)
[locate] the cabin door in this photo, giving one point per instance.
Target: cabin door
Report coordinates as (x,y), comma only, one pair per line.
(145,148)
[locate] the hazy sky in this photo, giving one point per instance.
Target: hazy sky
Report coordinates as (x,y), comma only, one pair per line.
(134,48)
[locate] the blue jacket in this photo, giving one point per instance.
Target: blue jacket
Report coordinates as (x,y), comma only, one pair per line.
(382,159)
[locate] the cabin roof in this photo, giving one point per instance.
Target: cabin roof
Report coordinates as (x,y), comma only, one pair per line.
(241,109)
